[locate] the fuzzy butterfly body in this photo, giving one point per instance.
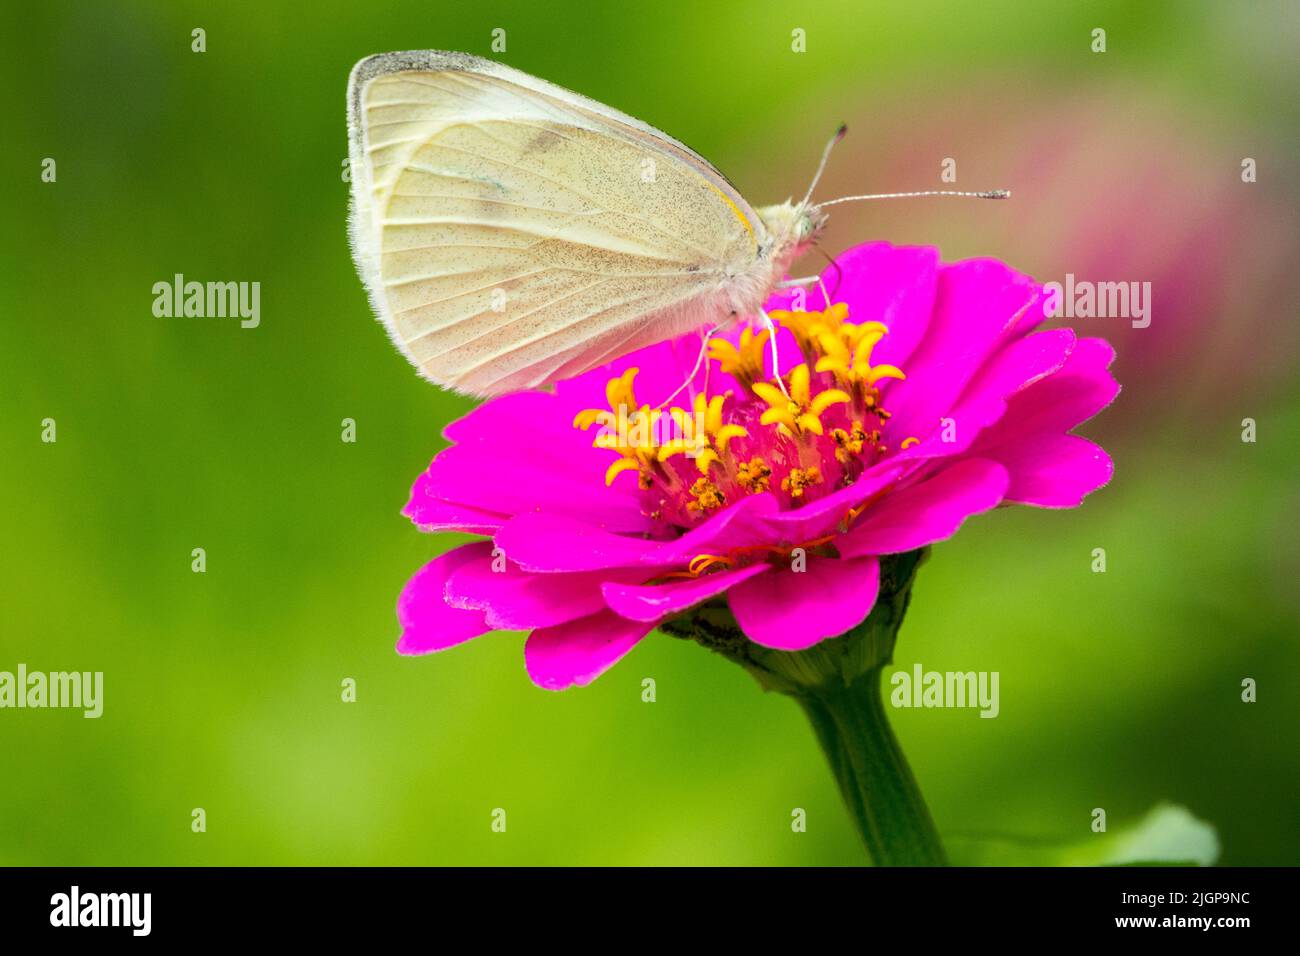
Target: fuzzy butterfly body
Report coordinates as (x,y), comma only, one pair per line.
(512,233)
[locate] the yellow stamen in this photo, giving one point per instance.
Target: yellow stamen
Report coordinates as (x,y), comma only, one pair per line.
(809,327)
(626,429)
(804,326)
(702,562)
(799,479)
(847,356)
(754,476)
(744,363)
(850,442)
(800,413)
(706,495)
(617,468)
(620,394)
(702,435)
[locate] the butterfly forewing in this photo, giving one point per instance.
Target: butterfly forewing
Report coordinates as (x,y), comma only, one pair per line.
(513,233)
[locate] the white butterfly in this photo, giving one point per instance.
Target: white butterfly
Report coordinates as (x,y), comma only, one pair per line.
(512,233)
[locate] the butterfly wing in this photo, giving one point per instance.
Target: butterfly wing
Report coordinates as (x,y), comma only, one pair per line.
(512,233)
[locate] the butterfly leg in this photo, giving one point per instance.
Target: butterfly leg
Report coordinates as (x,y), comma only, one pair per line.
(699,360)
(806,280)
(708,366)
(771,341)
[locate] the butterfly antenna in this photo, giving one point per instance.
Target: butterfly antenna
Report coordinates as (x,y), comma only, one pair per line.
(826,155)
(989,194)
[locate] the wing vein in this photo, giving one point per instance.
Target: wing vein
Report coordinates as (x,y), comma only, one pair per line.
(504,325)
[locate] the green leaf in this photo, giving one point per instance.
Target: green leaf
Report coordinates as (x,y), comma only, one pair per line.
(1167,836)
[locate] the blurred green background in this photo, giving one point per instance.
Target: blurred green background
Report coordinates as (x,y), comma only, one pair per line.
(1118,690)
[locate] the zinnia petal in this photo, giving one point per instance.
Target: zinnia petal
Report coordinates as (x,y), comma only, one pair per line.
(518,600)
(892,284)
(793,610)
(651,603)
(929,511)
(1081,389)
(488,477)
(823,515)
(428,622)
(547,543)
(1053,471)
(431,514)
(985,400)
(580,651)
(978,302)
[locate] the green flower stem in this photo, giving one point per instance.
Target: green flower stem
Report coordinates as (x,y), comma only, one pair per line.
(874,778)
(837,683)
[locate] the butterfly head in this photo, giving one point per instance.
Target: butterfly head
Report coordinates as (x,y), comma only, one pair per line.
(810,222)
(793,227)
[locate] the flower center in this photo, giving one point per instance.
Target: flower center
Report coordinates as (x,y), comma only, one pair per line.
(800,442)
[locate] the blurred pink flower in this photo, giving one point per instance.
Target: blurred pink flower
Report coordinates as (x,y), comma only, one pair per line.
(919,396)
(1110,183)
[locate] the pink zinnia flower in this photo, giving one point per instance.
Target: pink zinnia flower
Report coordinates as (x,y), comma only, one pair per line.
(920,395)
